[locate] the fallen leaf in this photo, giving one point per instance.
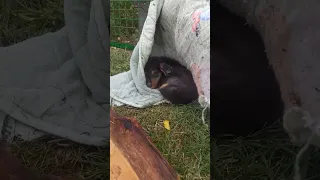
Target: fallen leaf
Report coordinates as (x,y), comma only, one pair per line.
(166,124)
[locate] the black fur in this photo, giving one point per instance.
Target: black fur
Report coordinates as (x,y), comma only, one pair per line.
(244,91)
(181,88)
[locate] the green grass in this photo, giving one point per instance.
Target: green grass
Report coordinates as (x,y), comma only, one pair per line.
(119,61)
(187,145)
(21,19)
(266,155)
(51,155)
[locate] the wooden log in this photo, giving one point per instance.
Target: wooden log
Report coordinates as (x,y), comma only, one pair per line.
(12,169)
(132,154)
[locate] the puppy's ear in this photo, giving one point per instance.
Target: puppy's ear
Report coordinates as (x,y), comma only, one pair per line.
(165,68)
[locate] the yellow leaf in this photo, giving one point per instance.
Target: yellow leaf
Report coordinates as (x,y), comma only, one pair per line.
(166,124)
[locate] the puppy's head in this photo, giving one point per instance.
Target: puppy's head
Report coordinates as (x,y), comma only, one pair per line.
(153,77)
(152,73)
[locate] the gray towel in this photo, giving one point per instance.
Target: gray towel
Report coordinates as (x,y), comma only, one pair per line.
(58,83)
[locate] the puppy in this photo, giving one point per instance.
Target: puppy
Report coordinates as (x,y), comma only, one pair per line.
(174,81)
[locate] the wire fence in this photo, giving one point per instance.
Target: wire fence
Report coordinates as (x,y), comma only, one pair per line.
(126,21)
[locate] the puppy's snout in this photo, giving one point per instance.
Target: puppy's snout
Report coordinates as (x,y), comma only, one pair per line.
(148,82)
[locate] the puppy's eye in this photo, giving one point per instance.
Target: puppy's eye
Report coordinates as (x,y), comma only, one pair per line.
(155,74)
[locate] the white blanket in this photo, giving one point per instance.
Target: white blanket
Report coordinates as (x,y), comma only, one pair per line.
(179,29)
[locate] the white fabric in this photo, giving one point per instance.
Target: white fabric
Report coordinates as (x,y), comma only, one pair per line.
(179,29)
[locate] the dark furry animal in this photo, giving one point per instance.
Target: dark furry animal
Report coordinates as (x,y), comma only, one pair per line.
(174,81)
(245,93)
